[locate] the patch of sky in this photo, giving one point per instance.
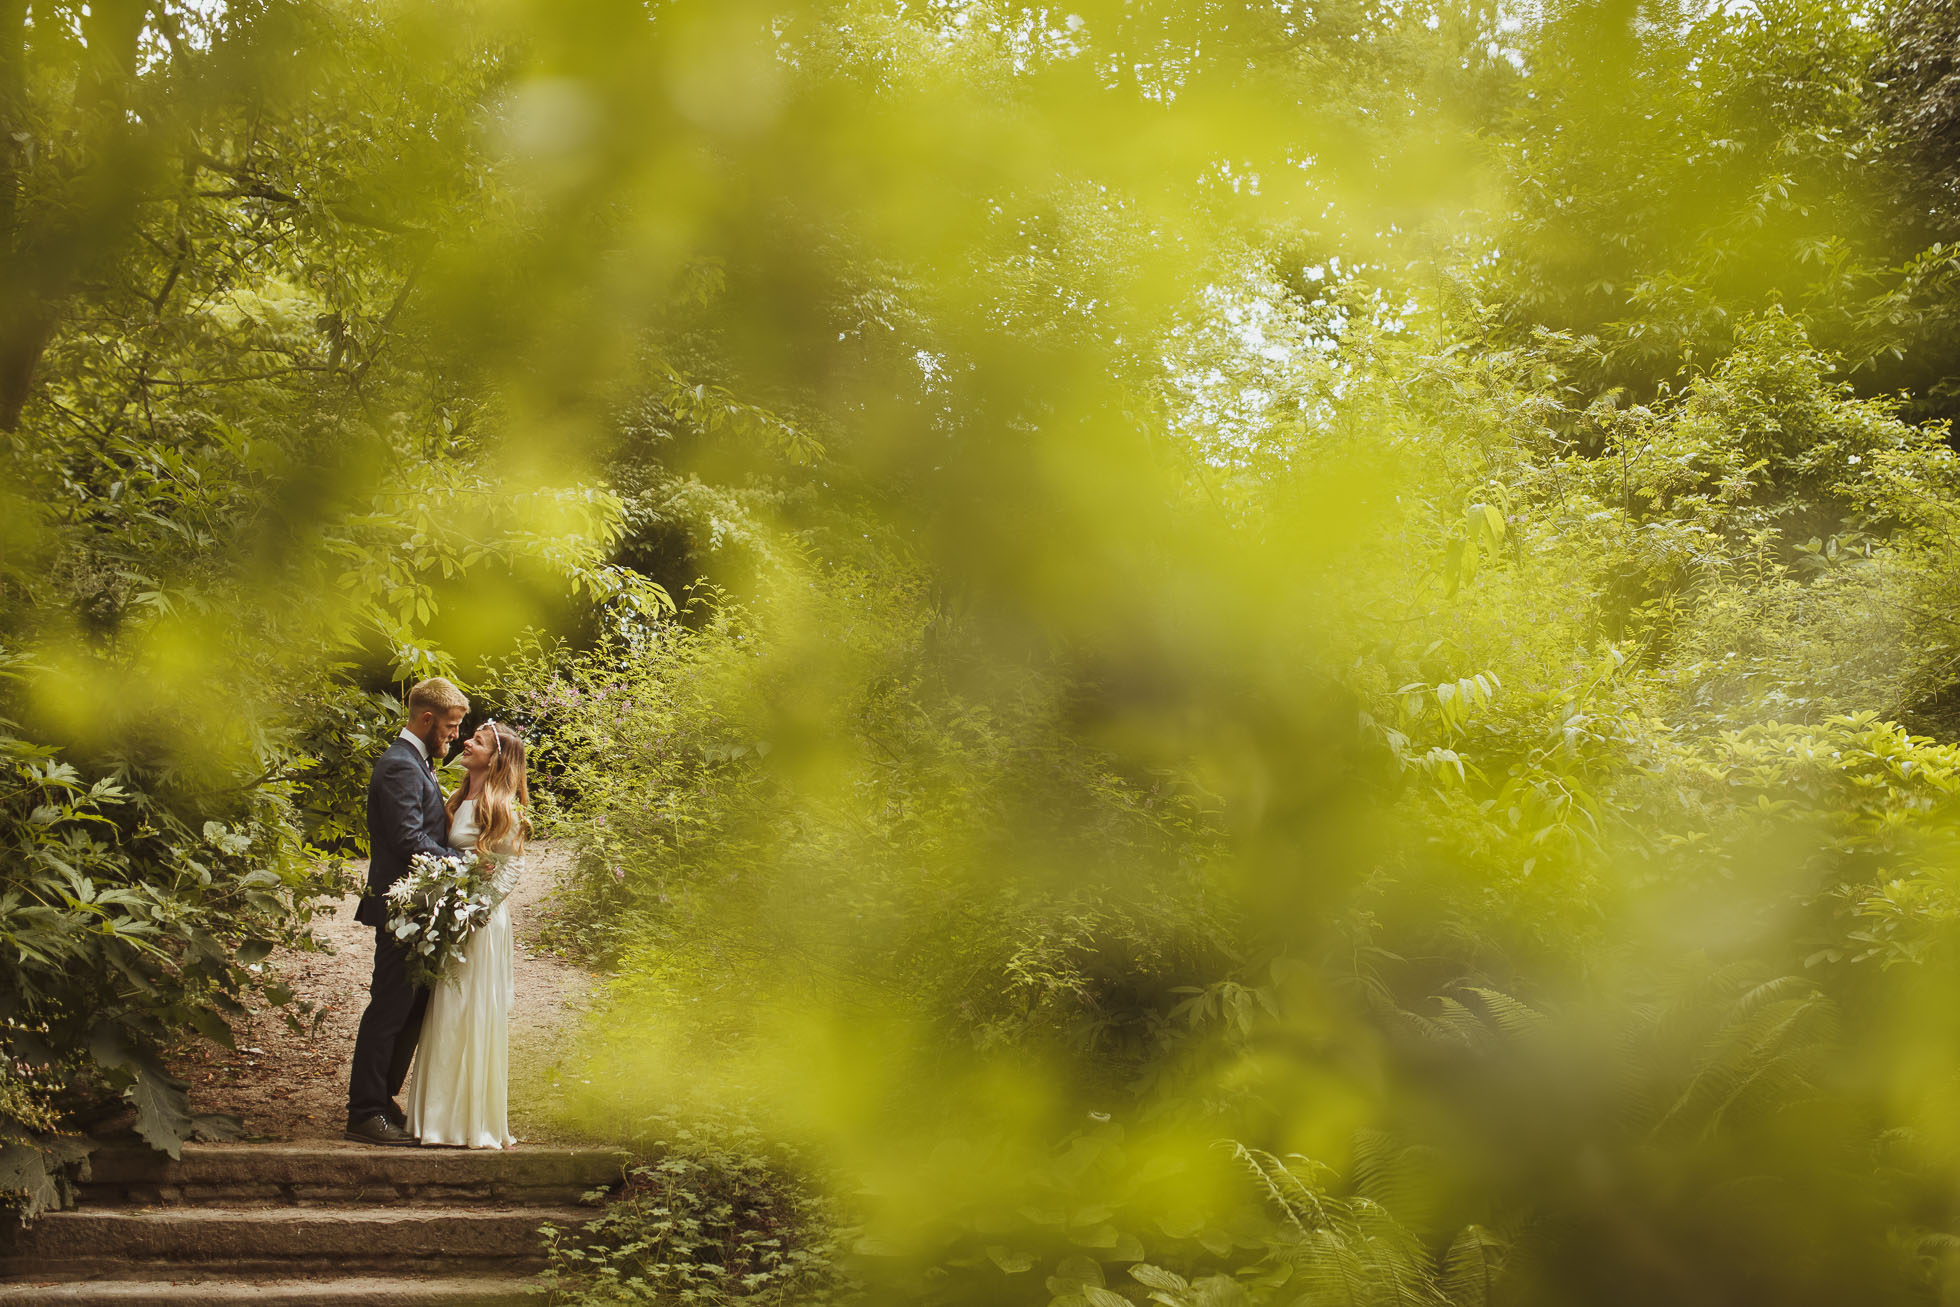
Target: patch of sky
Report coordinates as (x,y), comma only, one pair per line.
(1255,370)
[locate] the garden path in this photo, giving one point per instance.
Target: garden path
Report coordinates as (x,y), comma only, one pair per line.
(294,1215)
(293,1086)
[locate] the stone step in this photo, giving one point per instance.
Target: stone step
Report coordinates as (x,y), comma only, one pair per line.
(323,1291)
(173,1242)
(328,1173)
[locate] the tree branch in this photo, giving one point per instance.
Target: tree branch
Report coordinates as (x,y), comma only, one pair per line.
(246,376)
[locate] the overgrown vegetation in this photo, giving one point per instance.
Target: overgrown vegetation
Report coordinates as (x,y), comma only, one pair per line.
(1315,657)
(713,1216)
(237,500)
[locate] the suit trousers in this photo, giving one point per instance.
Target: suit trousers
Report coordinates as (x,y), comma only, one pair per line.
(389,1030)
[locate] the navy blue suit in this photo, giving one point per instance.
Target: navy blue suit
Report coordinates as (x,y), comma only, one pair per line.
(405,817)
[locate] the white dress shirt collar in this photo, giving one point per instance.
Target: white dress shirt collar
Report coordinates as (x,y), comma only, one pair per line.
(416,740)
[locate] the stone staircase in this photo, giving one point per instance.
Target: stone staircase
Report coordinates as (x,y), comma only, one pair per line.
(316,1224)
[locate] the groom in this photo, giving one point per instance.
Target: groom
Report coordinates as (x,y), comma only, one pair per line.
(405,817)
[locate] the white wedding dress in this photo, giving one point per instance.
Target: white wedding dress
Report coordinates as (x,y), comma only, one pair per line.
(459,1093)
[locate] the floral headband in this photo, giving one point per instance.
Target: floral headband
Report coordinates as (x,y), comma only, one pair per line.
(497,733)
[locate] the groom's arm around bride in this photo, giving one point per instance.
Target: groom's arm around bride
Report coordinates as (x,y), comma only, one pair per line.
(405,817)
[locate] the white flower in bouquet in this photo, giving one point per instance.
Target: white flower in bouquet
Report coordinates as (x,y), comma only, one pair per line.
(439,903)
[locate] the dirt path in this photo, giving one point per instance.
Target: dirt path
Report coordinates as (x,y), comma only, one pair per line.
(291,1086)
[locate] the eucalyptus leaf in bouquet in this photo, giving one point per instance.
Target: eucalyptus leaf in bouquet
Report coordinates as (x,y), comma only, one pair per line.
(438,905)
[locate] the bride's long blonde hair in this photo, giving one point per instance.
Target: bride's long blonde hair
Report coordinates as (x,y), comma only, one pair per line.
(503,801)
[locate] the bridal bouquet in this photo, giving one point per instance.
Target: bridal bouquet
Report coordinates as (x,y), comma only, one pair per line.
(436,906)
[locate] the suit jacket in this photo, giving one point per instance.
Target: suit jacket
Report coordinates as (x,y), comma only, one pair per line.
(405,817)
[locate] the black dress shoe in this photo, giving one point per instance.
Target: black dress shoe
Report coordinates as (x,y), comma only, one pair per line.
(378,1129)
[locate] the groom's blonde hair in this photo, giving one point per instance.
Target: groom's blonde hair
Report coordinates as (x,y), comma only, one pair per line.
(434,695)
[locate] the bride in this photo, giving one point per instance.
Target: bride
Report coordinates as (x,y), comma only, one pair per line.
(460,1094)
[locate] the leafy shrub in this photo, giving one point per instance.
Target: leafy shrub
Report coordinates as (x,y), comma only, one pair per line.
(679,785)
(125,923)
(706,1220)
(36,1153)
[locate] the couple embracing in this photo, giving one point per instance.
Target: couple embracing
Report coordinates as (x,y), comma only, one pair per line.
(455,1032)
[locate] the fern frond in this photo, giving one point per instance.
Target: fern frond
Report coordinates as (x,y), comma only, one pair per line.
(1471,1267)
(1773,1037)
(1507,1013)
(1770,991)
(1276,1182)
(1401,1179)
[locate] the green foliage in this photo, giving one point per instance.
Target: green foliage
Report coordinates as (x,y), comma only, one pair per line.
(1403,686)
(1682,168)
(1343,578)
(682,782)
(703,1221)
(123,925)
(36,1159)
(238,503)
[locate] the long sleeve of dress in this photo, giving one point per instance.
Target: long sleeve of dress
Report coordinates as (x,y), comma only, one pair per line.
(463,833)
(502,881)
(510,871)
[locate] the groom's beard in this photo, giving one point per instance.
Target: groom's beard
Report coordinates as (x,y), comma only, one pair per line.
(429,744)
